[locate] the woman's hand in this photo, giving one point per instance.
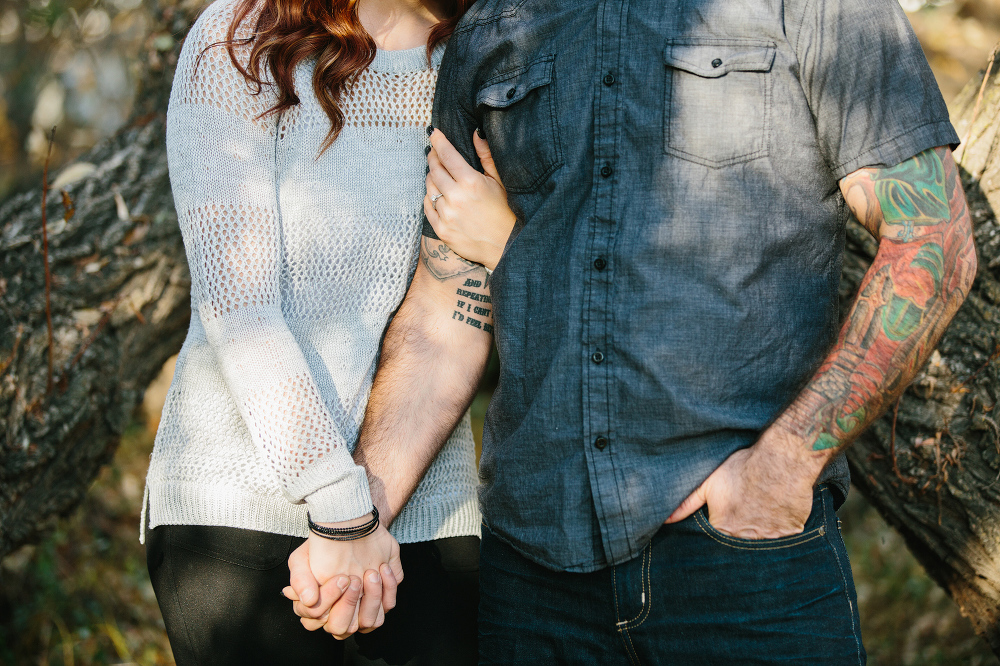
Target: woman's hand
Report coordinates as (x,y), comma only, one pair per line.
(345,586)
(467,209)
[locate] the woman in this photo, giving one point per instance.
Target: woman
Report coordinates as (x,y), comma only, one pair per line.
(296,150)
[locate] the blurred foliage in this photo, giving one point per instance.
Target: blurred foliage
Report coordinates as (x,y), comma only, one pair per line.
(71,63)
(906,618)
(83,596)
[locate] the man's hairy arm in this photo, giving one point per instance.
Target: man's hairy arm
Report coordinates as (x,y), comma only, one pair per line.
(433,356)
(921,274)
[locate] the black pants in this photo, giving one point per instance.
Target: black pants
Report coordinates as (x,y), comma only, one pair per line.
(219,590)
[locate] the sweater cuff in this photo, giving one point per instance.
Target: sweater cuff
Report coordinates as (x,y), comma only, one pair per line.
(345,499)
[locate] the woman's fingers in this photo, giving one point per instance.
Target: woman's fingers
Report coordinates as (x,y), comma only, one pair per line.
(440,176)
(486,157)
(450,158)
(344,613)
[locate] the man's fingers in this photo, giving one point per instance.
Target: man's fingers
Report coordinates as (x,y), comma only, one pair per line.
(397,566)
(486,157)
(450,158)
(371,600)
(693,502)
(301,578)
(379,621)
(388,587)
(344,612)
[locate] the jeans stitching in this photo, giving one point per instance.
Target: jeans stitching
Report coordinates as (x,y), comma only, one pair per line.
(633,656)
(847,596)
(614,588)
(793,540)
(646,590)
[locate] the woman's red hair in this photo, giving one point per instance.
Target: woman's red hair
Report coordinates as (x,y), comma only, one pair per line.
(290,31)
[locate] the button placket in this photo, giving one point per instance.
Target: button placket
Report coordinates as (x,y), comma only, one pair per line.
(602,231)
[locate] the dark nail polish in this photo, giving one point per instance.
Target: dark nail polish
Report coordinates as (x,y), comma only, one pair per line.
(430,130)
(479,131)
(427,150)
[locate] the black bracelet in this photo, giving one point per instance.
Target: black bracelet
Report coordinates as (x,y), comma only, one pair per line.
(345,533)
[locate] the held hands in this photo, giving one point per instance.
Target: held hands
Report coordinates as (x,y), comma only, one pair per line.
(467,209)
(762,492)
(344,586)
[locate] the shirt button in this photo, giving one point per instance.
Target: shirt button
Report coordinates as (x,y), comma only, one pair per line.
(597,357)
(600,263)
(606,170)
(511,92)
(609,79)
(716,63)
(600,443)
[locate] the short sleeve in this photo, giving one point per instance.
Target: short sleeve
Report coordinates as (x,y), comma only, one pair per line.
(871,92)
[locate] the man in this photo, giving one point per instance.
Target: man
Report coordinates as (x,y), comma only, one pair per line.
(666,316)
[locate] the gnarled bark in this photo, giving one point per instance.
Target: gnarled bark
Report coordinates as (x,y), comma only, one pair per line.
(120,306)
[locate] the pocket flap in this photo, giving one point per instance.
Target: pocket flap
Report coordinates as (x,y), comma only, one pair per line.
(510,87)
(712,58)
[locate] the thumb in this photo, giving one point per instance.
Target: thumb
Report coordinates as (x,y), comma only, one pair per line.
(301,578)
(485,156)
(692,503)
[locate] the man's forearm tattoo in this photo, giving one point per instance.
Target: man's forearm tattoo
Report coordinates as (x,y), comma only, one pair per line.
(444,264)
(464,308)
(919,278)
(441,262)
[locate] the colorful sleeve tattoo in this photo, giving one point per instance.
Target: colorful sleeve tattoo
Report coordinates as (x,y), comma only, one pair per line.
(921,274)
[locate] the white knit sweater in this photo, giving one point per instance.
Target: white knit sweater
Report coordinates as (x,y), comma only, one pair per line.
(297,261)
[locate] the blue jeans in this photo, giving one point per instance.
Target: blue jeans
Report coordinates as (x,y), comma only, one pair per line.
(694,596)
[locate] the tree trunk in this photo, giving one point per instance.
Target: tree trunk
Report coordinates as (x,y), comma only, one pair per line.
(931,466)
(120,305)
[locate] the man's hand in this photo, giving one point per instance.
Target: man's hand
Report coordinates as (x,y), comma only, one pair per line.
(757,493)
(349,584)
(922,272)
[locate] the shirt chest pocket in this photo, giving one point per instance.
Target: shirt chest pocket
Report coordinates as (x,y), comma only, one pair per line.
(517,112)
(717,107)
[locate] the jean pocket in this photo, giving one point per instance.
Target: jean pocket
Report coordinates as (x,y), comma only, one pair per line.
(815,528)
(717,106)
(246,548)
(517,111)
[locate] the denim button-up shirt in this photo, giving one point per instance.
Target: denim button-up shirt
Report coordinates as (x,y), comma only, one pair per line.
(672,279)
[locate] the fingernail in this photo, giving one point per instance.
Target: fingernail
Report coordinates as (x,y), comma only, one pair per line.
(373,578)
(343,582)
(430,130)
(427,150)
(479,131)
(355,585)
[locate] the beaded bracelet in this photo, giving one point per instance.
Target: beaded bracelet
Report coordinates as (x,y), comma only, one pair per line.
(345,533)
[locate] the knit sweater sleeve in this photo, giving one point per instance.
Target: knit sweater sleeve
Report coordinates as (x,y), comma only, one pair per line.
(221,154)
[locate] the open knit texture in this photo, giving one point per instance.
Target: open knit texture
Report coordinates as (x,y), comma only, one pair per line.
(297,260)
